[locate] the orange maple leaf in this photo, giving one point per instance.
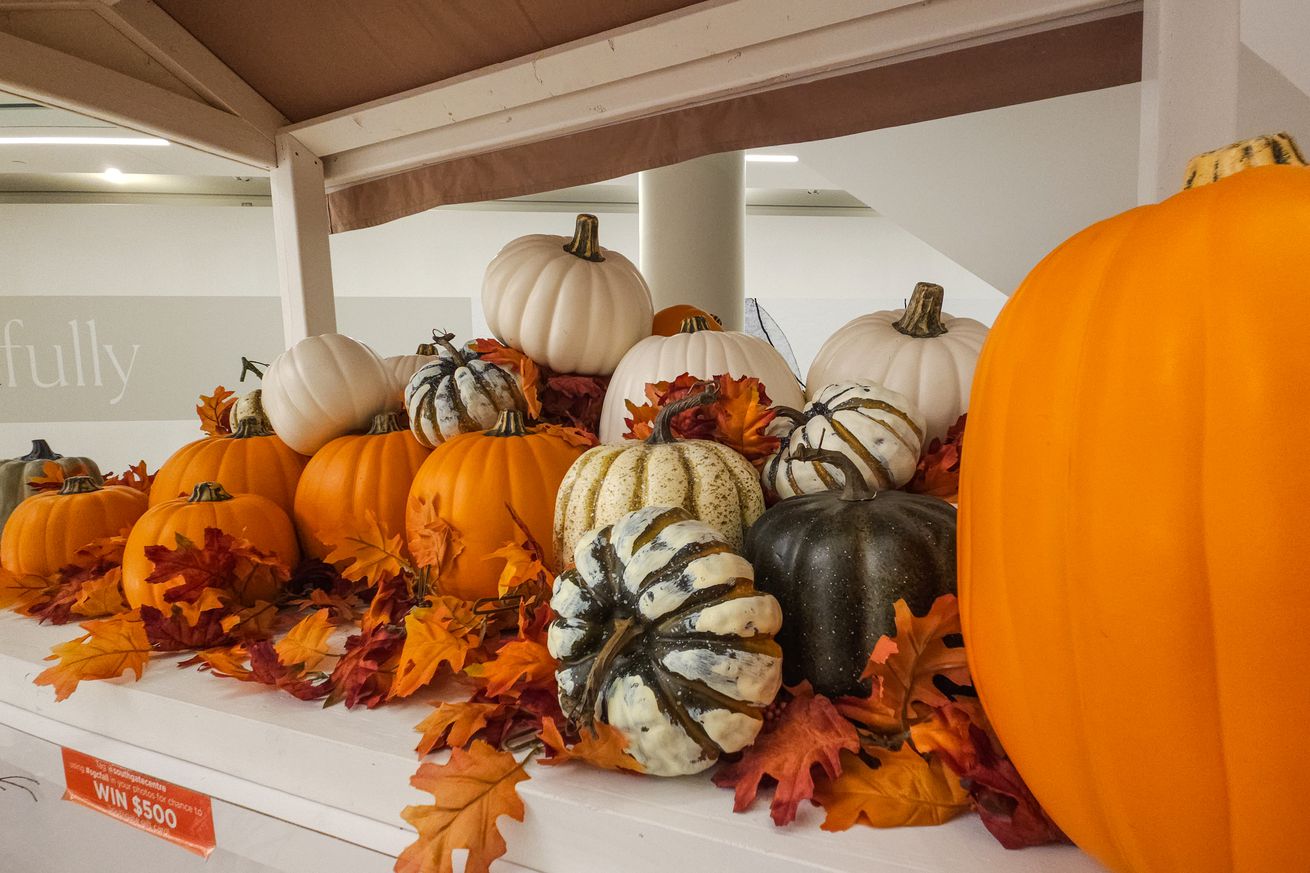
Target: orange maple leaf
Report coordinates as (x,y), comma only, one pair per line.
(453,724)
(306,643)
(742,416)
(215,411)
(472,790)
(518,664)
(523,563)
(903,791)
(254,622)
(442,633)
(603,747)
(938,472)
(574,436)
(229,662)
(371,552)
(21,592)
(946,732)
(101,595)
(433,541)
(135,476)
(110,647)
(53,476)
(903,667)
(526,369)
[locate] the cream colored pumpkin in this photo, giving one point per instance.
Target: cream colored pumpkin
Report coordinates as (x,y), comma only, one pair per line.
(401,368)
(567,303)
(919,351)
(324,387)
(879,430)
(711,481)
(703,353)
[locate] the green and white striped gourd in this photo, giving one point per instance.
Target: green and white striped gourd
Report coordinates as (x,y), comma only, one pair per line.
(458,393)
(661,634)
(711,481)
(877,428)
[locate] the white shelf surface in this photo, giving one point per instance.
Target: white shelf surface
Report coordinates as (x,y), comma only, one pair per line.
(346,775)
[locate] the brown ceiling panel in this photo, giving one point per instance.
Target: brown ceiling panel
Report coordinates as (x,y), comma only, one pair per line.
(312,57)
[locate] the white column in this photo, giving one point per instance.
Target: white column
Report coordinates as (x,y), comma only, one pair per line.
(300,227)
(693,231)
(1190,54)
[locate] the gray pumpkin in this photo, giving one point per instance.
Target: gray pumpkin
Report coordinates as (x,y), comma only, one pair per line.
(838,561)
(17,472)
(458,393)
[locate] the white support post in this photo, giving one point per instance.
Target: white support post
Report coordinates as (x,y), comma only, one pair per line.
(692,227)
(1190,55)
(300,226)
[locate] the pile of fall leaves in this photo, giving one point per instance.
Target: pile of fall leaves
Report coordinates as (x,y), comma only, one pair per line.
(370,625)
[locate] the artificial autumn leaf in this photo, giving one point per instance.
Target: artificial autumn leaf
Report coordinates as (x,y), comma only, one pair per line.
(946,732)
(522,564)
(22,591)
(53,476)
(210,599)
(101,595)
(442,633)
(175,633)
(367,552)
(529,375)
(473,790)
(809,732)
(903,668)
(454,724)
(255,622)
(695,423)
(267,667)
(198,568)
(228,662)
(517,663)
(306,643)
(391,603)
(433,541)
(602,746)
(313,574)
(577,437)
(110,648)
(742,415)
(938,472)
(574,401)
(363,675)
(344,609)
(135,476)
(903,791)
(215,411)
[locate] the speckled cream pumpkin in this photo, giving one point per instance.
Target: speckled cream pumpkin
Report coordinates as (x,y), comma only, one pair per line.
(458,393)
(661,634)
(711,481)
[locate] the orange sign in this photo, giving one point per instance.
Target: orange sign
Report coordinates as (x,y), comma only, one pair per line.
(169,811)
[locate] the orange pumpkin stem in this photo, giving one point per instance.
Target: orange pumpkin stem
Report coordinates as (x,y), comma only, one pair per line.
(855,488)
(510,423)
(923,314)
(41,451)
(444,339)
(79,485)
(1261,151)
(208,492)
(586,239)
(662,429)
(385,423)
(695,324)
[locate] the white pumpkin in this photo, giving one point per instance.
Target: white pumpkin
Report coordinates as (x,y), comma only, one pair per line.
(401,368)
(567,303)
(704,354)
(879,430)
(458,393)
(919,351)
(324,387)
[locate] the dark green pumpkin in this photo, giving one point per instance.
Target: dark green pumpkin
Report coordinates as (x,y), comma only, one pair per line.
(838,561)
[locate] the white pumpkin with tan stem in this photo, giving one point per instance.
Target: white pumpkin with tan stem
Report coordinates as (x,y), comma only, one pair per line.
(918,351)
(324,387)
(401,368)
(702,352)
(567,303)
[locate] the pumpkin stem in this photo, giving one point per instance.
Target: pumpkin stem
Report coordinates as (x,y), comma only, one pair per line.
(1260,151)
(251,421)
(384,423)
(694,324)
(923,314)
(41,451)
(443,339)
(426,349)
(795,416)
(662,429)
(855,488)
(208,492)
(586,239)
(624,631)
(249,366)
(79,485)
(508,424)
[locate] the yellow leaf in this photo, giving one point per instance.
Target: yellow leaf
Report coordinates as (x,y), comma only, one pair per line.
(903,791)
(371,553)
(306,643)
(518,662)
(603,747)
(210,598)
(19,592)
(109,648)
(433,541)
(453,724)
(521,565)
(442,633)
(254,622)
(101,596)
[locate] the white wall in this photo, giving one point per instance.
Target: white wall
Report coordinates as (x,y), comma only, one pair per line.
(811,272)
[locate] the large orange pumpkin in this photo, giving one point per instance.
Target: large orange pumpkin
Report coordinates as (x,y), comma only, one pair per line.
(354,475)
(668,321)
(248,516)
(471,477)
(45,531)
(250,460)
(1132,552)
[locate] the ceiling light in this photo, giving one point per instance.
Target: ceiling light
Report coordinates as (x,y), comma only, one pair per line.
(773,159)
(114,174)
(84,140)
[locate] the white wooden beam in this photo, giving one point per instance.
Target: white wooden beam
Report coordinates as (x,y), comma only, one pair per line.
(300,228)
(169,43)
(700,54)
(58,79)
(1190,55)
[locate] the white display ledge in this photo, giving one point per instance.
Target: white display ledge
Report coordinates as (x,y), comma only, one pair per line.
(346,774)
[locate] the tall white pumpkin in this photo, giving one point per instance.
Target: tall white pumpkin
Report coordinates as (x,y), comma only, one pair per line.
(324,387)
(566,302)
(704,354)
(918,351)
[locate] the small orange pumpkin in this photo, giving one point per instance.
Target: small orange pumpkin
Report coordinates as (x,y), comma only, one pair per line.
(471,477)
(354,475)
(47,529)
(250,460)
(668,321)
(251,517)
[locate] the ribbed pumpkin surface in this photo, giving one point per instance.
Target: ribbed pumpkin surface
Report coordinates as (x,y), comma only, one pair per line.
(45,531)
(262,465)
